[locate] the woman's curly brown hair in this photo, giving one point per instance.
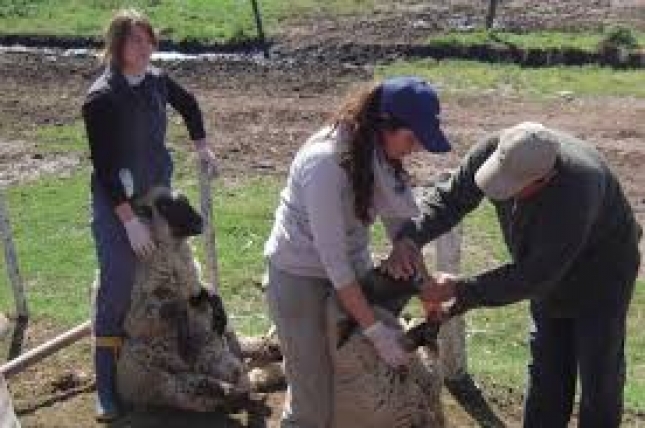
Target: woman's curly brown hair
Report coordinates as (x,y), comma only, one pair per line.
(360,116)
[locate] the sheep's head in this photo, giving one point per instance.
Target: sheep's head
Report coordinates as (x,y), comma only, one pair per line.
(179,217)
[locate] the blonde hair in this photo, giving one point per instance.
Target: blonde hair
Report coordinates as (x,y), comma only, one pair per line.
(118,30)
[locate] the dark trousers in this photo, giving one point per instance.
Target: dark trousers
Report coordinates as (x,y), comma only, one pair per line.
(591,345)
(116,262)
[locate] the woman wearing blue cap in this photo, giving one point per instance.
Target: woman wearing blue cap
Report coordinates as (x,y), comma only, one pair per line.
(343,177)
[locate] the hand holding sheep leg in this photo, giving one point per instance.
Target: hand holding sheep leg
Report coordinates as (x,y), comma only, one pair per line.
(438,291)
(404,260)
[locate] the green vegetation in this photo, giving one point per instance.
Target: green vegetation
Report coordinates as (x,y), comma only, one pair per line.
(204,20)
(471,76)
(621,37)
(65,138)
(590,42)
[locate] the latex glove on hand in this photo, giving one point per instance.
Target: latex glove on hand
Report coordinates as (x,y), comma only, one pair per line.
(207,160)
(404,261)
(139,237)
(386,341)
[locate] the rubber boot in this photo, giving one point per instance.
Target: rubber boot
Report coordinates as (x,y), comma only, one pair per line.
(106,351)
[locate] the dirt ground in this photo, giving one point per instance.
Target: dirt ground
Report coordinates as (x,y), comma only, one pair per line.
(258,112)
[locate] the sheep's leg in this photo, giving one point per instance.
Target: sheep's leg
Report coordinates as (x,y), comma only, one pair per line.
(392,295)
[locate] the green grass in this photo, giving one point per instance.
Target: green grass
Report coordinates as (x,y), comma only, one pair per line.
(66,138)
(50,221)
(542,39)
(469,76)
(206,20)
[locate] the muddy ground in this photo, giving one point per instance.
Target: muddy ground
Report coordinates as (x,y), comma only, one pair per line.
(258,112)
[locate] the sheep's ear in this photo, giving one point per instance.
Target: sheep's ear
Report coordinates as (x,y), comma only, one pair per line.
(163,204)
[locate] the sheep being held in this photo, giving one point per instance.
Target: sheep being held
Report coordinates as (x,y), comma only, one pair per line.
(176,351)
(367,392)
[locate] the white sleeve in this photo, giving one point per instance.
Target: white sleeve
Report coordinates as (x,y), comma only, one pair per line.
(322,183)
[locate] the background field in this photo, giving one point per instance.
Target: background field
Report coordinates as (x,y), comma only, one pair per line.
(204,20)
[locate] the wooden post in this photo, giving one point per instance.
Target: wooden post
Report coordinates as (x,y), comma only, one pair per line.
(492,12)
(46,349)
(8,417)
(12,262)
(258,23)
(206,206)
(452,337)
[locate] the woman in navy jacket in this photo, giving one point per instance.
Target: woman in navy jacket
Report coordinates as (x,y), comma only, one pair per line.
(125,119)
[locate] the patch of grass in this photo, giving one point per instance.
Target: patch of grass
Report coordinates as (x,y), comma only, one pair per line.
(534,40)
(66,138)
(204,20)
(50,224)
(468,76)
(635,388)
(482,241)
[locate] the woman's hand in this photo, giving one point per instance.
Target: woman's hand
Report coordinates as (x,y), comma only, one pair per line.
(138,233)
(387,342)
(404,261)
(139,237)
(206,158)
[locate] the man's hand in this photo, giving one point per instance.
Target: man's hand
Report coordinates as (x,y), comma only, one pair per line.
(207,158)
(437,293)
(139,237)
(404,261)
(387,343)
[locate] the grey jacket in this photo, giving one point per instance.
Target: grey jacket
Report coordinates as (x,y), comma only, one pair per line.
(573,246)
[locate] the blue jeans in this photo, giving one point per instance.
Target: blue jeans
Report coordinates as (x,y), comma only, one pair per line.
(591,344)
(116,262)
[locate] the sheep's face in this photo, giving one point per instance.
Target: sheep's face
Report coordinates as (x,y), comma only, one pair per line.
(182,219)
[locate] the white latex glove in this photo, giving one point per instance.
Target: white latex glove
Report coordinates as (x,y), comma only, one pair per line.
(386,342)
(139,236)
(207,158)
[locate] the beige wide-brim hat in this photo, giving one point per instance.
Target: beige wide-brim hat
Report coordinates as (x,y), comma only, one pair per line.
(526,152)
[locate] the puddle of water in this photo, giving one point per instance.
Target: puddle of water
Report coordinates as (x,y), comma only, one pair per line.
(165,56)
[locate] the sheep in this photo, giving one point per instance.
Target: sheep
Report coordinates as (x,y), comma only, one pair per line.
(176,351)
(367,392)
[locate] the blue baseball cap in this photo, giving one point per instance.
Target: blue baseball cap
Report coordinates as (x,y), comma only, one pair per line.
(414,102)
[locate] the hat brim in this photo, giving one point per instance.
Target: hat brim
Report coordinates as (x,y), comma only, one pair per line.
(433,139)
(495,184)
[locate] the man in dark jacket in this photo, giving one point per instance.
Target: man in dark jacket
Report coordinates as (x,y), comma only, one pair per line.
(573,242)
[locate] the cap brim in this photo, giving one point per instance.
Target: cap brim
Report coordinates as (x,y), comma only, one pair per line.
(495,184)
(434,140)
